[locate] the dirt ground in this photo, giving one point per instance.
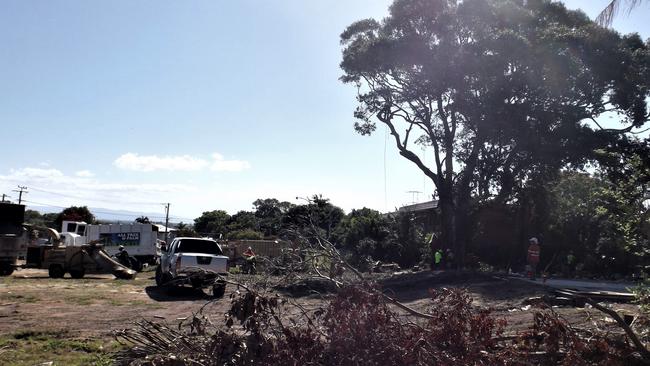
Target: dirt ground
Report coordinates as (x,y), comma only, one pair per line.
(90,309)
(92,306)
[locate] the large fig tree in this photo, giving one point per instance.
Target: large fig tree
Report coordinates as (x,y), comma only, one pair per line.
(502,92)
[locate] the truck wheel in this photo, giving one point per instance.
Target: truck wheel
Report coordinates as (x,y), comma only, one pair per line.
(56,271)
(218,290)
(77,273)
(161,279)
(6,270)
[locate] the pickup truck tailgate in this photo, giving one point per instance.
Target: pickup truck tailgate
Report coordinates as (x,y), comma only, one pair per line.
(212,263)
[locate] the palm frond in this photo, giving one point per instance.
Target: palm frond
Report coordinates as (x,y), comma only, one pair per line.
(606,16)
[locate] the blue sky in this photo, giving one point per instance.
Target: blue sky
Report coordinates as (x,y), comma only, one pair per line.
(204,104)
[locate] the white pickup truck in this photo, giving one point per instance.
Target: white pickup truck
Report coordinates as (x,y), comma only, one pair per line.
(193,261)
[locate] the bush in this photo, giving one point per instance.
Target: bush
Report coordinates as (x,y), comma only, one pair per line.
(246,234)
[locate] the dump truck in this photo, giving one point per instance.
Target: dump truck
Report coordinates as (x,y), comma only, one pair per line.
(13,236)
(139,240)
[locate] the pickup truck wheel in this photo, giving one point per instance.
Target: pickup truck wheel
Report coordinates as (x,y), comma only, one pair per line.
(218,290)
(77,273)
(56,271)
(161,279)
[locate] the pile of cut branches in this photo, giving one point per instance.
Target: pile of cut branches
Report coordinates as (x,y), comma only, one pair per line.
(361,325)
(358,326)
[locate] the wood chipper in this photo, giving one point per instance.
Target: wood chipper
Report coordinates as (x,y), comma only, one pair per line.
(76,260)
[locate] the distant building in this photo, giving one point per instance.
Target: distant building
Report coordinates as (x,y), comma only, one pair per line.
(171,232)
(426,213)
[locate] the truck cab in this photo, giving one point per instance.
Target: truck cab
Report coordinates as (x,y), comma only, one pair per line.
(73,233)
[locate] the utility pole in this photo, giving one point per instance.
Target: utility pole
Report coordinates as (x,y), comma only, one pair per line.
(22,189)
(3,197)
(166,221)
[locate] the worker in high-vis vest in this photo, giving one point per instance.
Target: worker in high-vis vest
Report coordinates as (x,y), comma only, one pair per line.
(438,258)
(533,257)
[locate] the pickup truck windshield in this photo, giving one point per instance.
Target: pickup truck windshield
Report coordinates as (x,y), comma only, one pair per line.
(198,246)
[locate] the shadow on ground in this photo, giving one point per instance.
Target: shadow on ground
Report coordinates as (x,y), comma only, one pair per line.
(172,293)
(490,287)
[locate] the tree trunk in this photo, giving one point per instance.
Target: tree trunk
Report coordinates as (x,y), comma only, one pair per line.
(447,224)
(463,230)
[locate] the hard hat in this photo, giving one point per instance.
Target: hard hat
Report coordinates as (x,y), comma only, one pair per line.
(533,240)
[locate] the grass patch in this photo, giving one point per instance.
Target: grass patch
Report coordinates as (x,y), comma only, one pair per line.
(82,299)
(149,304)
(21,298)
(116,302)
(119,282)
(31,347)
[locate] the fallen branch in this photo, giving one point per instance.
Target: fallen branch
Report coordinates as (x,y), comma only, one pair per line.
(407,308)
(628,331)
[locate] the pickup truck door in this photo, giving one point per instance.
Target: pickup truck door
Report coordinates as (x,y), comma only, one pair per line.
(165,262)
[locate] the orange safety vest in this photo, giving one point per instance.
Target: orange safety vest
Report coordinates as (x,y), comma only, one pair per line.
(533,253)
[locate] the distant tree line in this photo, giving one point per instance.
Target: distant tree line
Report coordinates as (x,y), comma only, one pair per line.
(54,220)
(602,218)
(364,235)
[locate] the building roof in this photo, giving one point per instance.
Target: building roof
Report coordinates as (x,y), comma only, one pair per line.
(422,206)
(162,228)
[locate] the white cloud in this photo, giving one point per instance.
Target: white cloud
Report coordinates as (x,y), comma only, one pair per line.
(150,163)
(84,174)
(53,187)
(221,165)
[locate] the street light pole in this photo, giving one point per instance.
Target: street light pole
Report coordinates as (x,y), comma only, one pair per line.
(166,221)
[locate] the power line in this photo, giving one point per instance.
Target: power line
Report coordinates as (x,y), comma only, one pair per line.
(385,170)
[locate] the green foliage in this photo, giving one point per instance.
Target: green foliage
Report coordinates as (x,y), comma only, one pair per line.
(600,221)
(212,223)
(186,230)
(408,239)
(243,220)
(500,90)
(245,234)
(364,233)
(74,213)
(367,235)
(35,218)
(142,220)
(642,296)
(318,212)
(270,213)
